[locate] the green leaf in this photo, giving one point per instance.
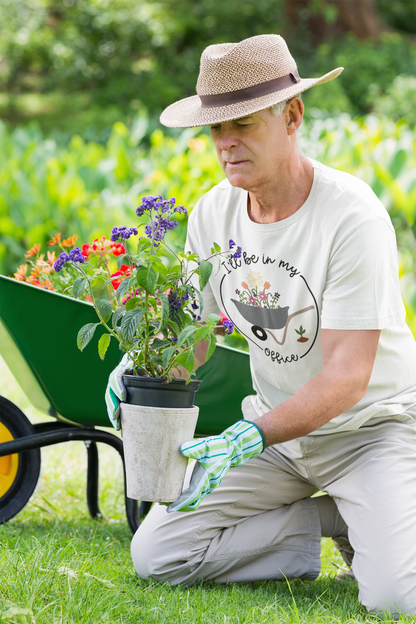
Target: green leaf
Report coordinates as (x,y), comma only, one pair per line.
(132,303)
(79,286)
(200,300)
(185,334)
(205,270)
(211,346)
(111,279)
(103,344)
(187,360)
(203,333)
(146,278)
(123,287)
(143,244)
(158,344)
(118,314)
(130,322)
(167,355)
(164,311)
(212,319)
(85,334)
(124,259)
(105,308)
(217,248)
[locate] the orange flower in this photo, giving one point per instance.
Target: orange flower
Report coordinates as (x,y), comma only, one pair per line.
(33,280)
(33,252)
(266,285)
(36,272)
(244,285)
(51,257)
(47,285)
(55,240)
(70,242)
(21,272)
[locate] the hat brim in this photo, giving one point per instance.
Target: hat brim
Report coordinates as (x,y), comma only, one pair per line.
(188,113)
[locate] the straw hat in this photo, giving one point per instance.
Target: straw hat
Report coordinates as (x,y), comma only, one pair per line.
(237,79)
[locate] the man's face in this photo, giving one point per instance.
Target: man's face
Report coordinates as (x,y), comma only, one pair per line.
(252,149)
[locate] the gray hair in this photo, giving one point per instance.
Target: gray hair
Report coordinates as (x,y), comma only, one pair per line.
(277,109)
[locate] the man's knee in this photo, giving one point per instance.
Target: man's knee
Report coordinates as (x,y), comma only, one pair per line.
(153,559)
(390,601)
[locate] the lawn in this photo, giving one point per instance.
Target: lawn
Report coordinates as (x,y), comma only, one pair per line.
(59,566)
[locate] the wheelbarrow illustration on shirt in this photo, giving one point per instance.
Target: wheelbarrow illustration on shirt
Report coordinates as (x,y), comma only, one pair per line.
(265,319)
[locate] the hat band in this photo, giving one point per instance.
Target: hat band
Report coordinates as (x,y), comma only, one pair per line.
(250,93)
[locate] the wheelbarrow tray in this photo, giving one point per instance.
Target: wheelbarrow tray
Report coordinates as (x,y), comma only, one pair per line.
(38,331)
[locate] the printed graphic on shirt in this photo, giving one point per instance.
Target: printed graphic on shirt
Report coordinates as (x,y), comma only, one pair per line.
(271,304)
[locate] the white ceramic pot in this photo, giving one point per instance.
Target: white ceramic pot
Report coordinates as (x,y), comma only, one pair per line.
(155,467)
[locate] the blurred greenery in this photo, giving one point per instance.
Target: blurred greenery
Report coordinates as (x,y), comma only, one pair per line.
(78,66)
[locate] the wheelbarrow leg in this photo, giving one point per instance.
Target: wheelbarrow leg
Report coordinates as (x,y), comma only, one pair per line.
(144,508)
(92,479)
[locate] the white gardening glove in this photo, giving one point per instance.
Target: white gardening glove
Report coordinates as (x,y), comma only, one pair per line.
(115,392)
(215,455)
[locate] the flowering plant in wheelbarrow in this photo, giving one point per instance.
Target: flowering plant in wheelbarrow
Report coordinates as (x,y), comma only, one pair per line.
(154,313)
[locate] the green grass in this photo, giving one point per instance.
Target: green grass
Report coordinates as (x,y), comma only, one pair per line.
(59,566)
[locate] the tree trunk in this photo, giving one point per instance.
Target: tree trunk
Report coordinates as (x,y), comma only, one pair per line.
(326,19)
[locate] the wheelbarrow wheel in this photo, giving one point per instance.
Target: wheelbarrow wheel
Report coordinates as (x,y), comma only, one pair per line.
(19,473)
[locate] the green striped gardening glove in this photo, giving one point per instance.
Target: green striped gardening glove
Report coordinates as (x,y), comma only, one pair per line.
(115,392)
(215,455)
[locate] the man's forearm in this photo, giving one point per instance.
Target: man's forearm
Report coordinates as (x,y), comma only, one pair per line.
(322,398)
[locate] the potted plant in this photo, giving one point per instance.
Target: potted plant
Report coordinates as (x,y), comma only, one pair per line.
(153,308)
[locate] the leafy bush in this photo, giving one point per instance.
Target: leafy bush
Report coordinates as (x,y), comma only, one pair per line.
(399,102)
(370,67)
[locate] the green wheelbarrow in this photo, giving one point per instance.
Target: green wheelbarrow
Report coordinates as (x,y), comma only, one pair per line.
(38,330)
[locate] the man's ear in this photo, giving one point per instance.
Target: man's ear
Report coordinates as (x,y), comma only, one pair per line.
(294,114)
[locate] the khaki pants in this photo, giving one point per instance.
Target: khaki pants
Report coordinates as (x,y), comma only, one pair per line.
(261,523)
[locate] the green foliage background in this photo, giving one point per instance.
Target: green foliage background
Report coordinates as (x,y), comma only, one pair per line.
(113,57)
(82,83)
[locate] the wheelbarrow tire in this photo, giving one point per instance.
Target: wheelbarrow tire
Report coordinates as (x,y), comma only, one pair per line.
(19,473)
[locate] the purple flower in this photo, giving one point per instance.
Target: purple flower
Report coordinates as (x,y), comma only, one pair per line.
(228,326)
(231,243)
(181,209)
(174,339)
(63,259)
(237,254)
(76,256)
(194,305)
(276,294)
(122,233)
(237,292)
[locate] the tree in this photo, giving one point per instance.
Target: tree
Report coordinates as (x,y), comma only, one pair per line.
(328,19)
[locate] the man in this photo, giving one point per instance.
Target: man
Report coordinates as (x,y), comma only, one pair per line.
(316,294)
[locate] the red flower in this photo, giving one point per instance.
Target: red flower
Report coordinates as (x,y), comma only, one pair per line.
(123,273)
(86,250)
(118,249)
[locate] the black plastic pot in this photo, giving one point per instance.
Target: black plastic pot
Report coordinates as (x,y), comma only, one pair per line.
(153,392)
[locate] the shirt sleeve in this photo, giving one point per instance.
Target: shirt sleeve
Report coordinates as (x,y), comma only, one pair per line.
(362,288)
(192,244)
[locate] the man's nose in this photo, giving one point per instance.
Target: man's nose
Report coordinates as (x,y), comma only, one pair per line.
(227,139)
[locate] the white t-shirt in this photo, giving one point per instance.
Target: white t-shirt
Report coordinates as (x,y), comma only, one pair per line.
(332,265)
